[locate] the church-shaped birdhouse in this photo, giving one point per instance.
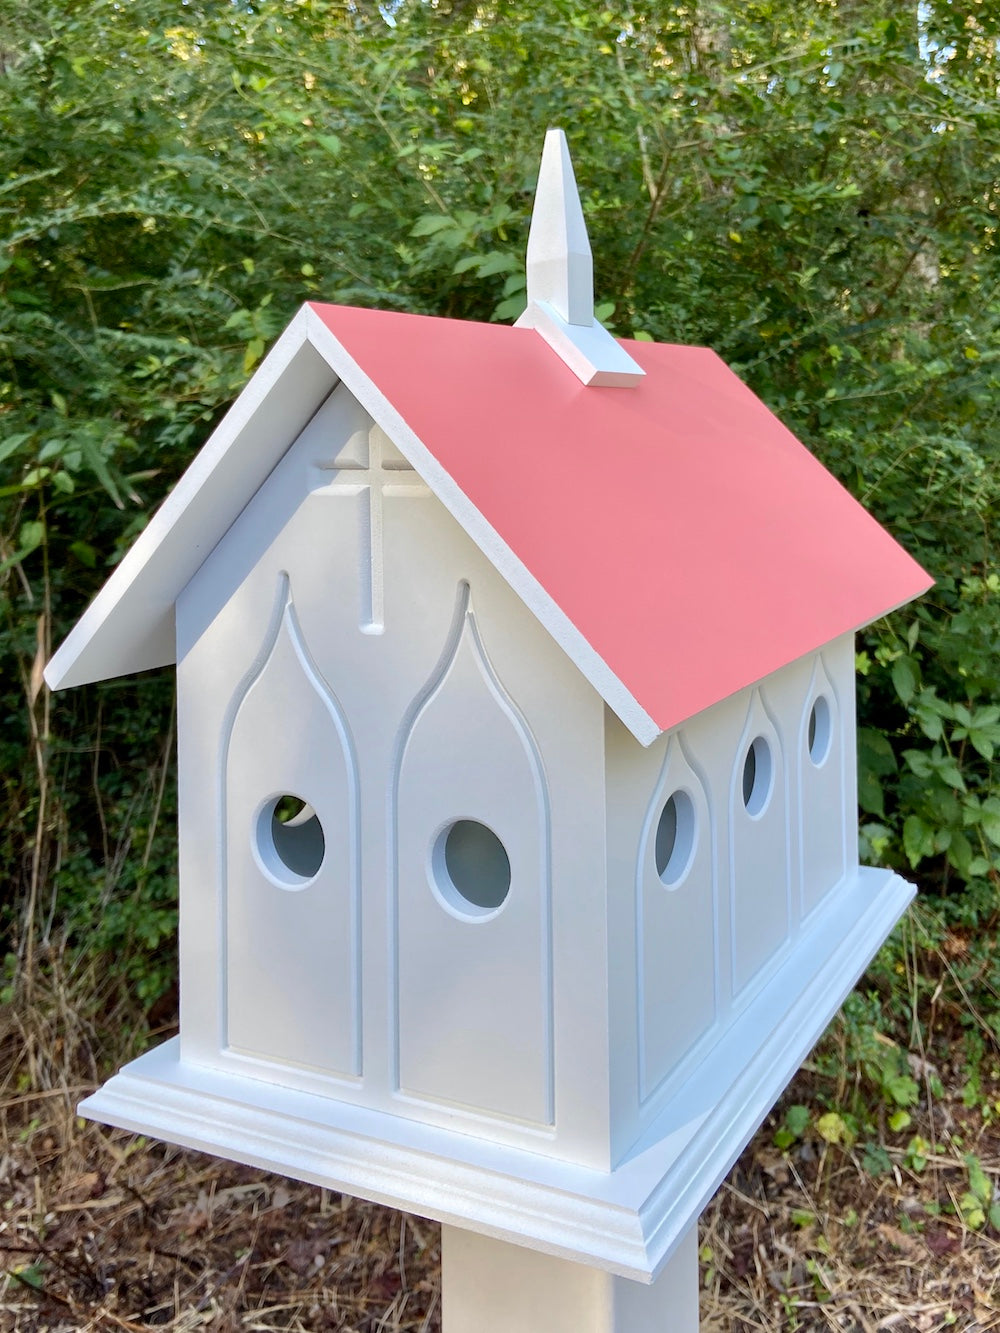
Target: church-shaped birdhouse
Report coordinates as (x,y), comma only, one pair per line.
(516,752)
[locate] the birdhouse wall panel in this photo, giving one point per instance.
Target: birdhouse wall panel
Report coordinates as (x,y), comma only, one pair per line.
(676,918)
(665,939)
(827,798)
(712,878)
(474,954)
(227,619)
(401,703)
(292,888)
(566,721)
(760,918)
(515,685)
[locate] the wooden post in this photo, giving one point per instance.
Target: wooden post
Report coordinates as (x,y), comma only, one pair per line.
(490,1286)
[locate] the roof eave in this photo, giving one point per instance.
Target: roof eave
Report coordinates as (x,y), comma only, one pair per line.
(129,626)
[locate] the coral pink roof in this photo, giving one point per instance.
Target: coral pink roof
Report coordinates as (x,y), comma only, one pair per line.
(692,541)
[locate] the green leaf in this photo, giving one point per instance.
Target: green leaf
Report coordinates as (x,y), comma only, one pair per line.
(902,1089)
(904,678)
(917,1153)
(989,819)
(870,794)
(11,444)
(512,308)
(918,840)
(878,752)
(497,261)
(979,1182)
(875,1160)
(252,354)
(31,1275)
(919,762)
(431,223)
(797,1119)
(984,742)
(95,461)
(31,536)
(960,853)
(948,770)
(330,143)
(85,553)
(833,1128)
(466,263)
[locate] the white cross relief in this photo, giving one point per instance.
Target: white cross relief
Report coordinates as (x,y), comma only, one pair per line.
(379,476)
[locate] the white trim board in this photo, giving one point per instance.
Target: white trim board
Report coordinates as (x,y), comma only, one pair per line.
(628,1221)
(129,626)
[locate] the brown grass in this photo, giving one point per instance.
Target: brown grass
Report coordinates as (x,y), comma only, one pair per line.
(103,1231)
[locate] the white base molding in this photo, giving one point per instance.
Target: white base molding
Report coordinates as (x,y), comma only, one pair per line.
(628,1221)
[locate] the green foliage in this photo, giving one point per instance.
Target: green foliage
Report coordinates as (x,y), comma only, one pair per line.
(810,188)
(977,1204)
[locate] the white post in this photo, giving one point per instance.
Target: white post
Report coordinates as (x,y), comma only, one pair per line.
(490,1286)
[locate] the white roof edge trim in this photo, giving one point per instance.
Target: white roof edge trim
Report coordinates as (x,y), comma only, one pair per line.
(63,667)
(549,614)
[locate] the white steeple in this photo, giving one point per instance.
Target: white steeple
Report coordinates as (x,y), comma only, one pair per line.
(560,273)
(560,264)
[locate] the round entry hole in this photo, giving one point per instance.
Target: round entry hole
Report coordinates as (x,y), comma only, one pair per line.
(674,840)
(757,776)
(471,868)
(290,840)
(819,730)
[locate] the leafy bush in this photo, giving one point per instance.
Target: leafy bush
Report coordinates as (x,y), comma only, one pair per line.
(808,188)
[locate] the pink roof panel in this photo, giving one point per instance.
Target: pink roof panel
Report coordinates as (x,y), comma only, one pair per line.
(690,538)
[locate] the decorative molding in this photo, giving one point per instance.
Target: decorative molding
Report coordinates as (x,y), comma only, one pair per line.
(628,1221)
(465,632)
(284,624)
(677,772)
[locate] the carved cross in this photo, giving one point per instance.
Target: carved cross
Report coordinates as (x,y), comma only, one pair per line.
(378,475)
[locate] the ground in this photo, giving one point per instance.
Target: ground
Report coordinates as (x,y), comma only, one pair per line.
(104,1231)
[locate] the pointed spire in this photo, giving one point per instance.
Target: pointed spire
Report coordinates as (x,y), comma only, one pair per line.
(560,264)
(560,273)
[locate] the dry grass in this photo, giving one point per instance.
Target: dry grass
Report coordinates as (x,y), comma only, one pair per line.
(103,1231)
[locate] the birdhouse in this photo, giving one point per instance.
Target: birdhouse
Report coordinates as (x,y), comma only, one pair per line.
(516,756)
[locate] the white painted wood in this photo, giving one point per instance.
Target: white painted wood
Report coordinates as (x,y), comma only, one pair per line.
(487,1025)
(828,847)
(475,980)
(291,954)
(676,926)
(593,355)
(130,624)
(671,973)
(759,854)
(560,278)
(560,265)
(489,1286)
(823,814)
(628,1220)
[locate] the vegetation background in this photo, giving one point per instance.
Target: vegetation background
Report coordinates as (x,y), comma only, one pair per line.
(808,186)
